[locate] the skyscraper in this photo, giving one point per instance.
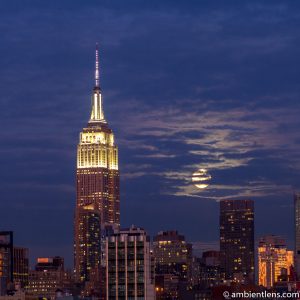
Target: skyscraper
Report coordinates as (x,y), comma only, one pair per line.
(172,253)
(274,260)
(173,258)
(297,232)
(237,239)
(128,270)
(21,265)
(6,261)
(90,241)
(97,184)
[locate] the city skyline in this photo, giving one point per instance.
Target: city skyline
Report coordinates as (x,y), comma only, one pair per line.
(215,98)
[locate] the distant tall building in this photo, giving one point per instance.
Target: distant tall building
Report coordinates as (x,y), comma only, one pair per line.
(297,233)
(237,239)
(206,270)
(274,260)
(128,270)
(6,261)
(89,222)
(21,265)
(98,196)
(173,258)
(172,253)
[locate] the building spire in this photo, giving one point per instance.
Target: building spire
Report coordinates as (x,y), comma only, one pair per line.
(97,83)
(97,114)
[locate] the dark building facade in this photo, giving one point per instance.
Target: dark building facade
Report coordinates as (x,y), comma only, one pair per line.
(173,260)
(55,263)
(97,185)
(6,261)
(237,239)
(206,270)
(297,233)
(47,278)
(172,253)
(21,265)
(90,223)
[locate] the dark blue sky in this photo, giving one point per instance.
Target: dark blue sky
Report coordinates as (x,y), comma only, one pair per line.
(186,85)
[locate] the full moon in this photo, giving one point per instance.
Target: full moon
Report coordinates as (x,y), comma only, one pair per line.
(201,179)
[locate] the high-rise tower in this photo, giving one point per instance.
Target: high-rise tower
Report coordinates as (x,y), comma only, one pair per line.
(237,239)
(128,266)
(97,186)
(297,233)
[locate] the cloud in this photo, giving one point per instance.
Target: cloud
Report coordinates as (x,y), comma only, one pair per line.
(157,155)
(227,140)
(249,190)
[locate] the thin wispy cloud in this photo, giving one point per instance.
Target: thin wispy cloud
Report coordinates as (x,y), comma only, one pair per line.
(226,140)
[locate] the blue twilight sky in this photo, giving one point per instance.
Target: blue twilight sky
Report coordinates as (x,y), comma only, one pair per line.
(186,85)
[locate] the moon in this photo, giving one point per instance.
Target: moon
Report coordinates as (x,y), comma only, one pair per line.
(201,179)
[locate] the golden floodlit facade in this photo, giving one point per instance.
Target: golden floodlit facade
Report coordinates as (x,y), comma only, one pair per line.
(97,186)
(274,260)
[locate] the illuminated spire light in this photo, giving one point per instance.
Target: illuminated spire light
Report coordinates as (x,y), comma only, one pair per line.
(97,114)
(97,83)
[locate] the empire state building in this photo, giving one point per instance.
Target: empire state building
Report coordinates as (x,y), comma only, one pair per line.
(97,186)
